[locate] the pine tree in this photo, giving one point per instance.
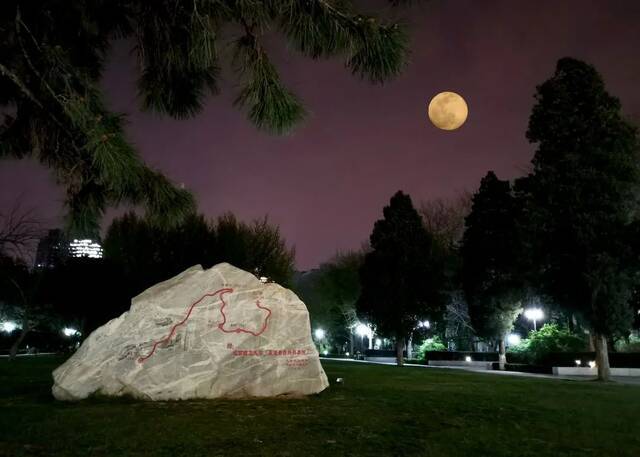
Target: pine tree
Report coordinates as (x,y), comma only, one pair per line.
(583,200)
(402,276)
(490,247)
(52,55)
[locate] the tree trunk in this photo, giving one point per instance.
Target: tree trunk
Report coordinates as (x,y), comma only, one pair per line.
(602,358)
(592,342)
(15,346)
(410,346)
(502,354)
(399,350)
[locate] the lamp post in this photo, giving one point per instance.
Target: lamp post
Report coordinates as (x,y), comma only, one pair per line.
(534,314)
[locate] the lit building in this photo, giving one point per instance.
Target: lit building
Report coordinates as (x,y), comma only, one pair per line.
(55,248)
(85,248)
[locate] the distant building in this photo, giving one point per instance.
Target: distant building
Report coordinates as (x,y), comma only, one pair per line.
(85,248)
(55,248)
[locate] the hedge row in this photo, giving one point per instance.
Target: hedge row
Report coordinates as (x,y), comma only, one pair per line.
(555,359)
(568,359)
(462,355)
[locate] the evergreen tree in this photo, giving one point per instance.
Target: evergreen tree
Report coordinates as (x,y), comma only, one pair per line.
(582,200)
(490,248)
(402,276)
(52,55)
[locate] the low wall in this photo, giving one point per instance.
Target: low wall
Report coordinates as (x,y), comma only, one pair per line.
(381,359)
(587,371)
(476,365)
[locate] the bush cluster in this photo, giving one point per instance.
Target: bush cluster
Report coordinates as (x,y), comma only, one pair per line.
(551,338)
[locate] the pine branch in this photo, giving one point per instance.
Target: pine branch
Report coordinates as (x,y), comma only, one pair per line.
(271,106)
(321,28)
(4,71)
(165,205)
(117,170)
(315,27)
(177,51)
(380,51)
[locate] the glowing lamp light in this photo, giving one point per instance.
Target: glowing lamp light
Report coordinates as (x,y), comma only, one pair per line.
(467,358)
(263,279)
(592,364)
(363,330)
(347,354)
(535,315)
(8,326)
(68,331)
(514,339)
(325,352)
(319,333)
(578,362)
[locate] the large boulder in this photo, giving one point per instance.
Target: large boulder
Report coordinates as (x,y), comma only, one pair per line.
(210,333)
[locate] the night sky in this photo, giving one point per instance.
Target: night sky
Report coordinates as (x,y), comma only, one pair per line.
(326,183)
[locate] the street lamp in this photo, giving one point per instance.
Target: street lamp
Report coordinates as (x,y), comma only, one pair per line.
(363,330)
(534,314)
(319,333)
(68,331)
(8,326)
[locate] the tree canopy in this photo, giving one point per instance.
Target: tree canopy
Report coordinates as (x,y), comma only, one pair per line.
(53,52)
(146,254)
(402,274)
(330,293)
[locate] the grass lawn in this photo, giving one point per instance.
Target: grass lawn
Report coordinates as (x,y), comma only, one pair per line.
(379,411)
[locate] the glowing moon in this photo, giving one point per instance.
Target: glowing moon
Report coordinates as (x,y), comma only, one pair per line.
(448,110)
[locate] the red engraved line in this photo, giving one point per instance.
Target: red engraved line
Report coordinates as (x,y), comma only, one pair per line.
(173,329)
(220,326)
(243,330)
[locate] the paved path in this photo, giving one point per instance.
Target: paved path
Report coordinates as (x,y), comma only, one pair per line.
(632,380)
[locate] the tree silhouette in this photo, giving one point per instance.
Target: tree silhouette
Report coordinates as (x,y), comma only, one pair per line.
(582,200)
(402,276)
(491,283)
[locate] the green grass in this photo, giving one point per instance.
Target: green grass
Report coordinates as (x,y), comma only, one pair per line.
(379,411)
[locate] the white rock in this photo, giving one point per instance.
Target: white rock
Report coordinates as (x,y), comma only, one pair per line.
(202,334)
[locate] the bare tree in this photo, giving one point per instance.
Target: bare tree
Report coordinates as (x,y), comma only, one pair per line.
(21,300)
(19,230)
(444,218)
(459,328)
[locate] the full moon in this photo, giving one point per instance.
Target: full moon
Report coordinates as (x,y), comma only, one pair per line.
(448,110)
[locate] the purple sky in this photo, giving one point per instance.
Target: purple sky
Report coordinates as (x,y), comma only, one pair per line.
(326,183)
